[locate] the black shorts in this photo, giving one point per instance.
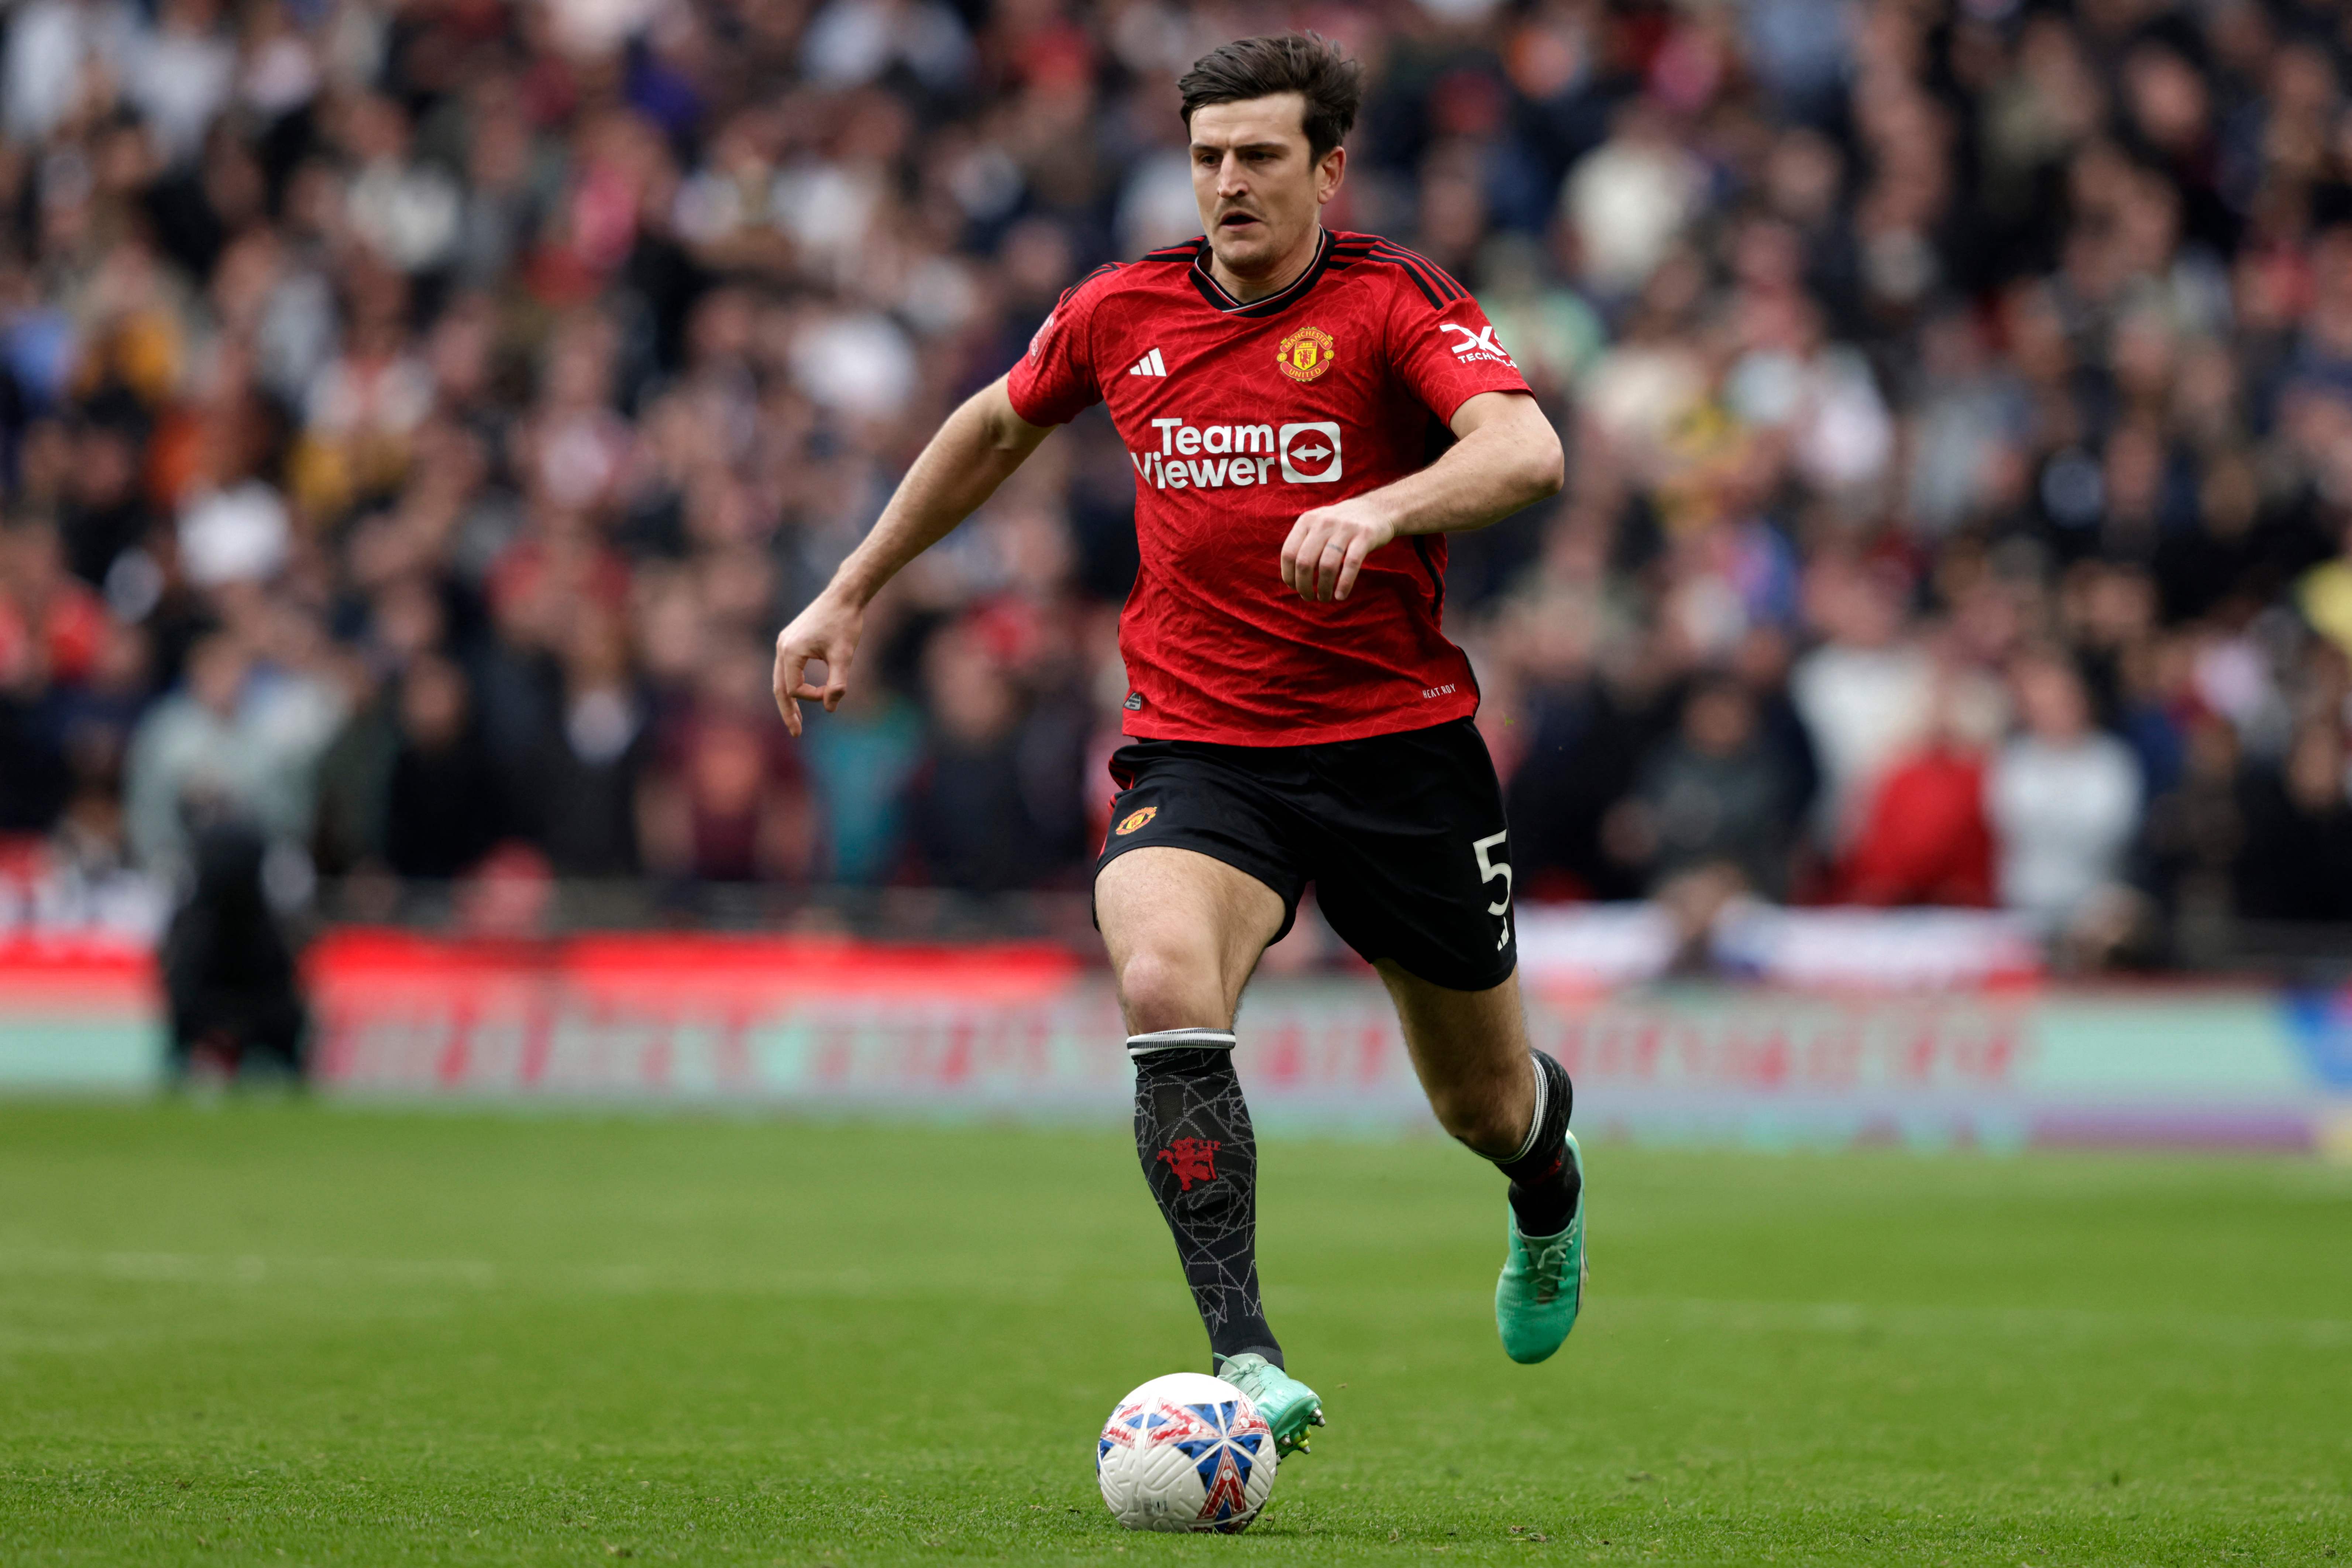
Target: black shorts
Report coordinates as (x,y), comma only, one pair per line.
(1401,835)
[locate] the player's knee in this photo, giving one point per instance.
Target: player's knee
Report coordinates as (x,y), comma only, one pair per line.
(1165,988)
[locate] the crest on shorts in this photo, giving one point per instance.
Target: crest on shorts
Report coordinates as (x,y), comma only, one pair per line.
(1305,353)
(1135,819)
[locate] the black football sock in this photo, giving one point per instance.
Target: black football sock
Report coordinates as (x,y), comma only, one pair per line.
(1192,1134)
(1544,1186)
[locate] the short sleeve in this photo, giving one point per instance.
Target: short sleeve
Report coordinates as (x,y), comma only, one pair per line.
(1055,381)
(1444,346)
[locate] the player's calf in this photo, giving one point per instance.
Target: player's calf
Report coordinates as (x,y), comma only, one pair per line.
(1199,1153)
(1192,1134)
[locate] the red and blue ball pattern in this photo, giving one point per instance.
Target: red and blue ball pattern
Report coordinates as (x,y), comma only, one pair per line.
(1185,1452)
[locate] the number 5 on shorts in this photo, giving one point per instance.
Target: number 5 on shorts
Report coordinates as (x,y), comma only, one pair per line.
(1490,869)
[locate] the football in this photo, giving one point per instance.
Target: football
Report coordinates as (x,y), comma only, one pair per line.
(1186,1451)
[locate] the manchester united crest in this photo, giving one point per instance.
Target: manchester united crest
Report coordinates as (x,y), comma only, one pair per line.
(1305,353)
(1135,819)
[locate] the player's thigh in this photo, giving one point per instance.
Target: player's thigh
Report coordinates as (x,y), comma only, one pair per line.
(1183,931)
(1199,872)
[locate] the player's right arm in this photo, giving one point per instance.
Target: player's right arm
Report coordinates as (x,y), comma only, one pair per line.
(980,445)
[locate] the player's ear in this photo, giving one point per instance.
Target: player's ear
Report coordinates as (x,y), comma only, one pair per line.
(1330,170)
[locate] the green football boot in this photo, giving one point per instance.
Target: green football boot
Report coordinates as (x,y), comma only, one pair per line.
(1289,1407)
(1542,1287)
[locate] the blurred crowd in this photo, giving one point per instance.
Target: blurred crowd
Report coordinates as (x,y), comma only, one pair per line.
(417,417)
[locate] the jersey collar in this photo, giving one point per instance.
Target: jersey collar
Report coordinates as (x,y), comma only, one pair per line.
(1214,292)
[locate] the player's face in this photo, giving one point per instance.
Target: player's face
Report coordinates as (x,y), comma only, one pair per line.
(1259,188)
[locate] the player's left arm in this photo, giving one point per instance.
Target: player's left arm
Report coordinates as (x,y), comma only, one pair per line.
(1506,455)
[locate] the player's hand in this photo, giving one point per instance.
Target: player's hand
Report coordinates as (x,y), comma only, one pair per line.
(826,632)
(1327,548)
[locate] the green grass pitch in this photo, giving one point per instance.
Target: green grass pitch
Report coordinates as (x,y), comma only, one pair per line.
(262,1334)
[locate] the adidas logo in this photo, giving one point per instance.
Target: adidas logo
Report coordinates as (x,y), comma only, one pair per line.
(1149,364)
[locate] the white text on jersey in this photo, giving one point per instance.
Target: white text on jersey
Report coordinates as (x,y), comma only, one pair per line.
(1475,346)
(1205,456)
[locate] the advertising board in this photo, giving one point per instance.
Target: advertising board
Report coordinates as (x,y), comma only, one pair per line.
(831,1026)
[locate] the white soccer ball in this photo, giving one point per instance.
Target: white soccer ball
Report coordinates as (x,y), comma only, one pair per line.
(1186,1451)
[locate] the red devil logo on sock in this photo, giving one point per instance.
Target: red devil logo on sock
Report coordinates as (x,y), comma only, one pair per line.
(1192,1160)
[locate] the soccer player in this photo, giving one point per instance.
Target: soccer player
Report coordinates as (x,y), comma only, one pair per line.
(1294,711)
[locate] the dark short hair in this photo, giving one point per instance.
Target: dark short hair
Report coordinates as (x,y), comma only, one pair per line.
(1307,64)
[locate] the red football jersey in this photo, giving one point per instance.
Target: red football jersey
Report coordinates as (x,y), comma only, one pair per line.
(1238,417)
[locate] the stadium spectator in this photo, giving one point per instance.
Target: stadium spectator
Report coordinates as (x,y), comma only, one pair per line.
(1570,741)
(1714,796)
(2296,864)
(584,775)
(442,806)
(2063,799)
(993,805)
(861,763)
(725,800)
(1925,837)
(1924,840)
(238,743)
(1863,693)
